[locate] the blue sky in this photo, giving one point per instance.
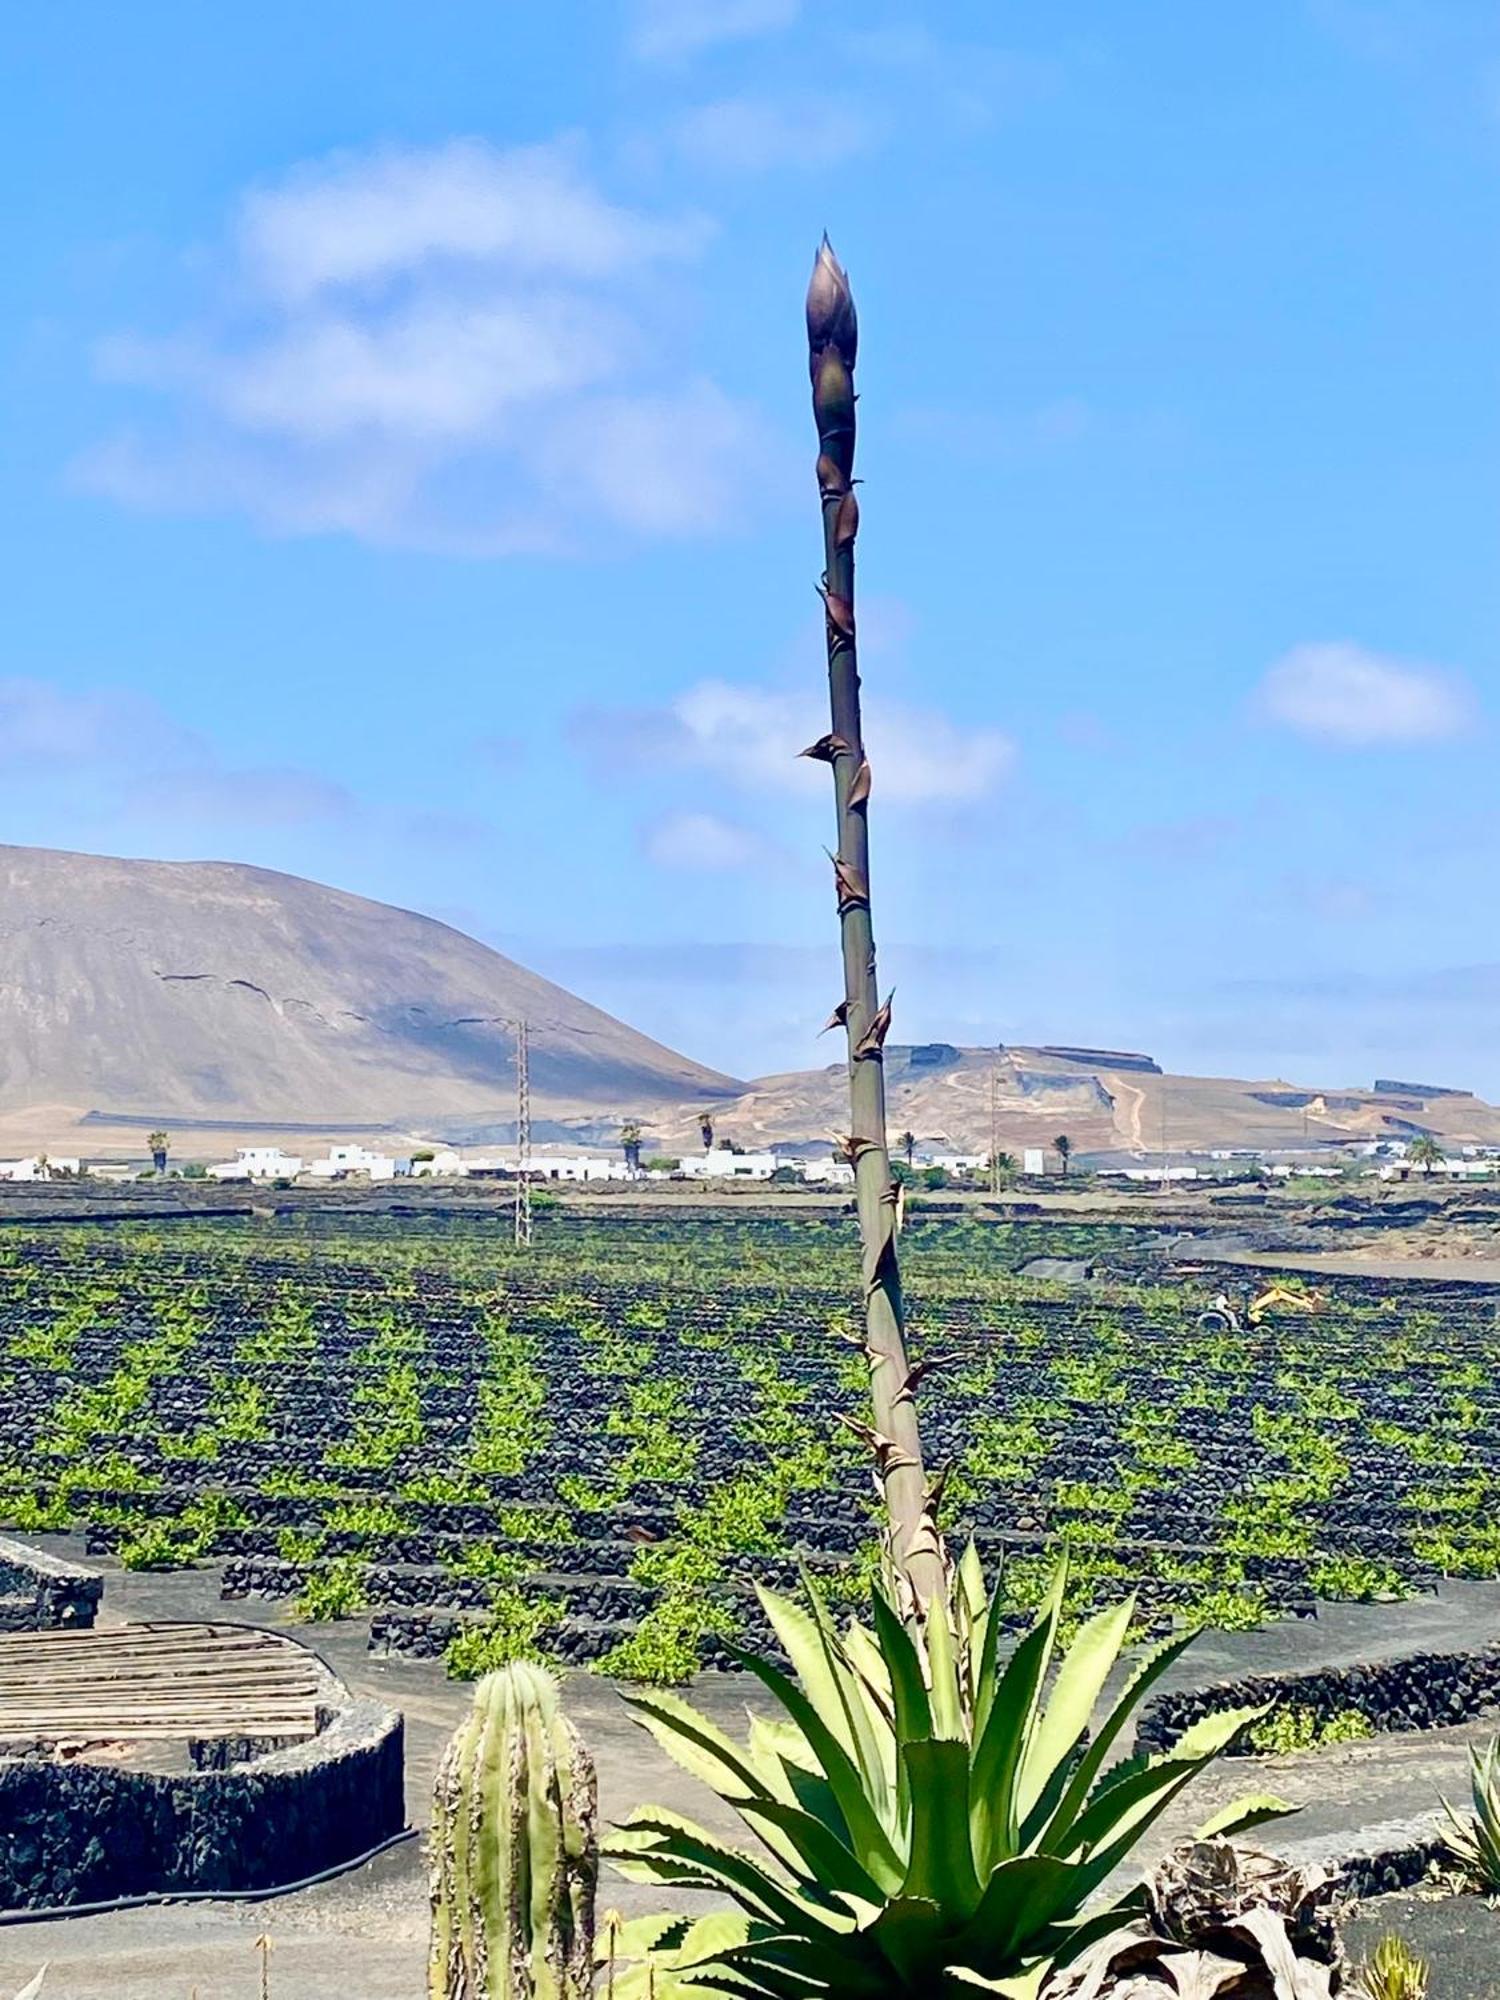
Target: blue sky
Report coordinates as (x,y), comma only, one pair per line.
(409,486)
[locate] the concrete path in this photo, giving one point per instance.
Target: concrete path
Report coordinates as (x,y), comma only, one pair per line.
(363,1936)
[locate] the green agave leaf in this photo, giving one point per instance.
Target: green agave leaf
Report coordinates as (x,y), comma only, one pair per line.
(1209,1735)
(1025,1985)
(706,1753)
(658,1846)
(873,1747)
(1022,1899)
(786,1962)
(1053,1837)
(909,1934)
(942,1862)
(698,1745)
(867,1660)
(1131,1809)
(640,1935)
(903,1664)
(1255,1809)
(822,1856)
(1086,1666)
(971,1588)
(863,1830)
(942,1674)
(803,1645)
(1007,1731)
(986,1675)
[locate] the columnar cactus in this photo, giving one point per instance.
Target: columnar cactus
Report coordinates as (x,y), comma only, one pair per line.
(514,1861)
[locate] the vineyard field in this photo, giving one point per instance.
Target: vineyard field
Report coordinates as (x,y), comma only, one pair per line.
(592,1449)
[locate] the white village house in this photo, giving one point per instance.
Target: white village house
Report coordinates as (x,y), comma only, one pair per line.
(343,1161)
(258,1163)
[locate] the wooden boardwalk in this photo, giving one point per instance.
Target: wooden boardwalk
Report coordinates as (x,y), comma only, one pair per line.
(141,1682)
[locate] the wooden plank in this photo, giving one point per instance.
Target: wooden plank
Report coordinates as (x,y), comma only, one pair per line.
(156,1681)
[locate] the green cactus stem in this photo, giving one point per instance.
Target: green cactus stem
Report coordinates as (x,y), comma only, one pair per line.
(514,1859)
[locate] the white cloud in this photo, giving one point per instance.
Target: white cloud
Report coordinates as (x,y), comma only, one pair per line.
(448,349)
(116,749)
(756,134)
(751,736)
(1338,692)
(364,218)
(672,30)
(46,728)
(702,842)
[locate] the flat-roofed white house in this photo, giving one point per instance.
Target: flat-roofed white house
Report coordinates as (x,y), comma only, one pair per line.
(345,1160)
(39,1167)
(722,1165)
(258,1163)
(578,1167)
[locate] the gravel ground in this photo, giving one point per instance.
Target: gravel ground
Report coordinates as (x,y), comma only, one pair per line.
(363,1935)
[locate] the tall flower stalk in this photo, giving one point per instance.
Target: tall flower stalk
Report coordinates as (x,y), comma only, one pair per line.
(915,1546)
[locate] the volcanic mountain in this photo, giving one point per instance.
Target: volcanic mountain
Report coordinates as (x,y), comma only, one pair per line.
(206,991)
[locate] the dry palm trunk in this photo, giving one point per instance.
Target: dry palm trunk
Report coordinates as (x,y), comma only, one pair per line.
(916,1550)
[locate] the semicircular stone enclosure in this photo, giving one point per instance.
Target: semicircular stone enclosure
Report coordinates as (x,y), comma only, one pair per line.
(174,1759)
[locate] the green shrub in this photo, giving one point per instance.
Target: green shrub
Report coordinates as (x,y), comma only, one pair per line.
(336,1591)
(513,1629)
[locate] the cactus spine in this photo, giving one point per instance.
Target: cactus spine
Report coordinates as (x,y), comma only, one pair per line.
(514,1860)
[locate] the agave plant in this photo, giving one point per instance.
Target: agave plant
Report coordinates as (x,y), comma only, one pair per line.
(1395,1972)
(937,1820)
(1476,1840)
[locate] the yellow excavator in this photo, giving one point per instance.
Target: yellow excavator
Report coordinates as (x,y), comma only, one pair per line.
(1224,1317)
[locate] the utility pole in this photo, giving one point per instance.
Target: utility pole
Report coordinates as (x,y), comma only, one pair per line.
(994,1131)
(1165,1173)
(523,1134)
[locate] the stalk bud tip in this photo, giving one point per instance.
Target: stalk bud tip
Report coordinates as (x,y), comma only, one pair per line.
(831,318)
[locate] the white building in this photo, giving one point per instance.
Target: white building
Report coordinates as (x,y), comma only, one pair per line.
(578,1167)
(832,1173)
(258,1163)
(1452,1170)
(1034,1160)
(447,1165)
(722,1165)
(956,1163)
(40,1167)
(345,1160)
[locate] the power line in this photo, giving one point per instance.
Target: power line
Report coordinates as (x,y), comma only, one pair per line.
(523,1134)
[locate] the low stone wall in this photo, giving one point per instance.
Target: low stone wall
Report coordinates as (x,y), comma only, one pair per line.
(40,1593)
(80,1833)
(1414,1691)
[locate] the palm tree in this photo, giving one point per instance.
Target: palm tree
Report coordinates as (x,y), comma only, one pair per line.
(630,1139)
(1003,1168)
(159,1143)
(1425,1152)
(908,1144)
(1063,1147)
(706,1130)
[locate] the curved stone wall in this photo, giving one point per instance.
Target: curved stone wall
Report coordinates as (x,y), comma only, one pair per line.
(79,1833)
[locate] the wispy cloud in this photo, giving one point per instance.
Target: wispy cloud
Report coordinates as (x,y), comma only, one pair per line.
(701,843)
(1341,693)
(750,736)
(121,750)
(753,135)
(675,30)
(449,348)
